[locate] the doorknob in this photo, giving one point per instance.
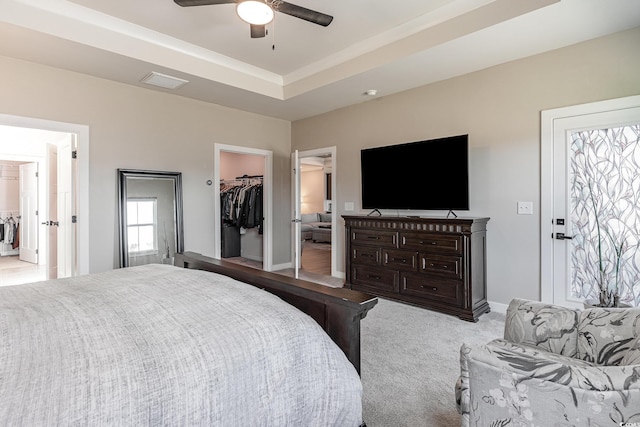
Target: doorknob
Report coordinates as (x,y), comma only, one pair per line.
(561,236)
(45,223)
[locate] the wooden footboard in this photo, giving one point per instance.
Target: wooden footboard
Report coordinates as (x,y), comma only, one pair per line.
(337,310)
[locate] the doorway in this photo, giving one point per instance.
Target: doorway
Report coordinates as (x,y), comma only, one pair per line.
(590,218)
(41,142)
(245,169)
(316,193)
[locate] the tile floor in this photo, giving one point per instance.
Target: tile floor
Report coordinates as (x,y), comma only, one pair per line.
(16,272)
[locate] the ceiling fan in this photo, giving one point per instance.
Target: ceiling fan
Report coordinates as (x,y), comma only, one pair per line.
(259,13)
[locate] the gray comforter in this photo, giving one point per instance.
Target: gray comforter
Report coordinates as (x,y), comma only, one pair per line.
(160,345)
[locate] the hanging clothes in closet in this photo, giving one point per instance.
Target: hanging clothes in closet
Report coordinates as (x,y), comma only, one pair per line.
(241,202)
(9,235)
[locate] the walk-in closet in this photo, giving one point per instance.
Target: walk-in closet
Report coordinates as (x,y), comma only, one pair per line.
(242,207)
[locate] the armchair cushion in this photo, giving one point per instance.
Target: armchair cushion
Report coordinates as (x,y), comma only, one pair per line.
(606,334)
(632,356)
(546,326)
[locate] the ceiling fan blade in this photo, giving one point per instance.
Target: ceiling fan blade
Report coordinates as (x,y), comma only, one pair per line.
(302,13)
(185,3)
(257,31)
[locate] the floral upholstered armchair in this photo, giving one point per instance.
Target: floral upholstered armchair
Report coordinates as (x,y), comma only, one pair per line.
(555,367)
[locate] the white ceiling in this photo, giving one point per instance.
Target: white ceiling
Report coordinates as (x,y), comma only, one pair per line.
(385,45)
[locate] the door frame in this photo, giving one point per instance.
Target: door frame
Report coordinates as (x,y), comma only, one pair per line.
(547,139)
(267,194)
(334,220)
(82,261)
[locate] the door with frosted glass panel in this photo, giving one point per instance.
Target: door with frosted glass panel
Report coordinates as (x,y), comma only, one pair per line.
(596,219)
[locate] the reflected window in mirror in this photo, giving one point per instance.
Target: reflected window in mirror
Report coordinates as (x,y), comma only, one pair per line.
(142,226)
(150,217)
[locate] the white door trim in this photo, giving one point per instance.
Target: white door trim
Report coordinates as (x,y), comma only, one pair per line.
(297,218)
(548,118)
(267,181)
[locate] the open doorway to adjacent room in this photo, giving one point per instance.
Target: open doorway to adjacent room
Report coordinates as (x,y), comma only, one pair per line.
(318,220)
(39,193)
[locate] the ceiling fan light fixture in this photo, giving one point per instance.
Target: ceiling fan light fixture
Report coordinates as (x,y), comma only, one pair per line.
(255,12)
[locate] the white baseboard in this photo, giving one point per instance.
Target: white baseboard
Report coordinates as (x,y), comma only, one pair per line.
(498,307)
(276,267)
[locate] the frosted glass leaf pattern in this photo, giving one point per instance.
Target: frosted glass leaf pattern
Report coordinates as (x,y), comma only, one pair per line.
(605,193)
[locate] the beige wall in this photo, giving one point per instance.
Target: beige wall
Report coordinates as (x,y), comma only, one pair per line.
(500,110)
(499,107)
(137,128)
(9,187)
(312,191)
(233,165)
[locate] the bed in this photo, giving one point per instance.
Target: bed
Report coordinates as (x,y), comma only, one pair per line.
(164,345)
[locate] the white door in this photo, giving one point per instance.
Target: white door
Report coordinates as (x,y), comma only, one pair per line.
(297,219)
(65,246)
(594,215)
(29,212)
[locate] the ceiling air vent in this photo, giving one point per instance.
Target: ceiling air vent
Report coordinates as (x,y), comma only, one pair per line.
(163,80)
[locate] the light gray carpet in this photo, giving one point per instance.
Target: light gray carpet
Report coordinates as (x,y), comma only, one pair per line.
(410,363)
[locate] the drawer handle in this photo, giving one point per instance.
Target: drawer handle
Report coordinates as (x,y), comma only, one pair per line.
(425,287)
(403,260)
(373,237)
(444,266)
(374,277)
(422,242)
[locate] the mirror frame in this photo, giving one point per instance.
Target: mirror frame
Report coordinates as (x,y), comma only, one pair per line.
(123,175)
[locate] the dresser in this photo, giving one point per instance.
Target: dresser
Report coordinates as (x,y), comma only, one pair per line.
(435,263)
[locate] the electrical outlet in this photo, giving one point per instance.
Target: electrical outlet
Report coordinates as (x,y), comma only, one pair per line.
(525,208)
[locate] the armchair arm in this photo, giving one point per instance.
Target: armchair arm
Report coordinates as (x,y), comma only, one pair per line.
(548,327)
(502,380)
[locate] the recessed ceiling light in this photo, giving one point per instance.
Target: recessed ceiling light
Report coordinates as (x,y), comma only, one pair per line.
(371,92)
(163,80)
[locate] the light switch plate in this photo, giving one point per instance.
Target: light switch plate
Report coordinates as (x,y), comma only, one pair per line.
(525,208)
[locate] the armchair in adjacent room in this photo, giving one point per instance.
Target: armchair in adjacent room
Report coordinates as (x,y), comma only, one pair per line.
(555,366)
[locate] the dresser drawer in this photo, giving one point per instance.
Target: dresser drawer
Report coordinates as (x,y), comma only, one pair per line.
(387,239)
(448,266)
(415,284)
(365,255)
(401,260)
(425,242)
(375,278)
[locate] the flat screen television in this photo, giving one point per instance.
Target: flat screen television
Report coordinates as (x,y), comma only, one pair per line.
(423,175)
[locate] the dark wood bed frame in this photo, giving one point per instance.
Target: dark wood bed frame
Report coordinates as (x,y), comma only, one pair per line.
(337,310)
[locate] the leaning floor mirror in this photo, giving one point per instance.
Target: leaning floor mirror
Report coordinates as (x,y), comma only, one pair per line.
(150,216)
